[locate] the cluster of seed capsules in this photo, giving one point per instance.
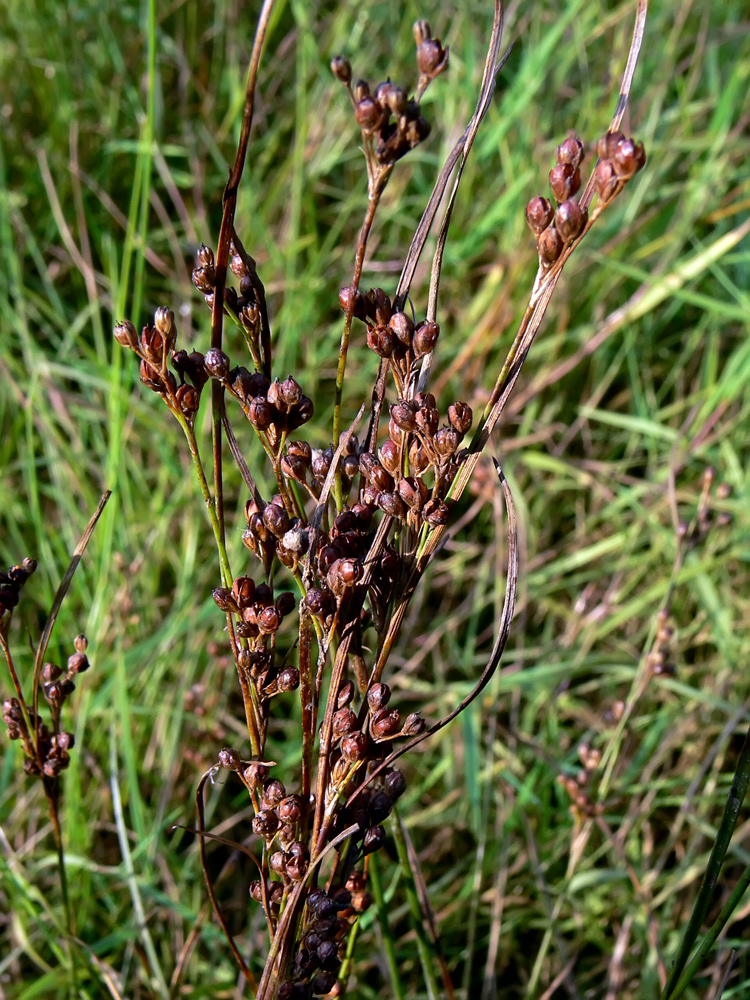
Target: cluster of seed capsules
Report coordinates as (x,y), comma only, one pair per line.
(391,121)
(559,225)
(46,751)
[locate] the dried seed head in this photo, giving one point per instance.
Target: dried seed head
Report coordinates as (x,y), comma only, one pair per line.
(385,723)
(392,504)
(341,69)
(571,151)
(290,809)
(288,679)
(628,158)
(344,722)
(395,783)
(355,746)
(319,602)
(564,181)
(50,672)
(380,340)
(539,214)
(269,620)
(126,334)
(265,823)
(78,663)
(389,457)
(255,774)
(605,148)
(277,862)
(425,337)
(164,323)
(460,417)
(606,181)
(378,696)
(427,419)
(549,245)
(368,115)
(229,759)
(403,414)
(260,413)
(402,327)
(374,839)
(414,725)
(217,363)
(413,492)
(345,695)
(570,219)
(358,308)
(447,441)
(274,791)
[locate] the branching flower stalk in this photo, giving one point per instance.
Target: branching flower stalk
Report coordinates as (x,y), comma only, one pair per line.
(355,525)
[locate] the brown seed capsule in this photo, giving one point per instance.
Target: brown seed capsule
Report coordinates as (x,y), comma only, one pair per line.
(341,69)
(378,696)
(628,158)
(276,519)
(414,724)
(345,695)
(277,862)
(418,457)
(217,363)
(606,181)
(50,672)
(229,759)
(355,747)
(571,151)
(425,337)
(564,181)
(255,774)
(427,419)
(402,327)
(368,115)
(392,504)
(380,340)
(349,299)
(447,441)
(296,868)
(373,840)
(413,492)
(605,148)
(403,415)
(274,791)
(243,592)
(344,722)
(460,417)
(269,620)
(389,456)
(126,334)
(385,723)
(395,783)
(549,245)
(290,809)
(288,679)
(570,219)
(319,602)
(78,663)
(539,214)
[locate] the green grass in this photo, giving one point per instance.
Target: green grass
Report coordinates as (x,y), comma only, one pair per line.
(98,221)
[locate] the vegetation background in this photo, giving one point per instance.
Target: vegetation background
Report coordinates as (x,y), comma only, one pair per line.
(118,121)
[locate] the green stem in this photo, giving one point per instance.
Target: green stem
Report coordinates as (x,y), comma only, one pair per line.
(713,869)
(385,929)
(424,946)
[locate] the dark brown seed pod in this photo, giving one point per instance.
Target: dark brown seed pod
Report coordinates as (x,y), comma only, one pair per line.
(126,334)
(296,868)
(402,327)
(354,300)
(368,115)
(243,592)
(380,340)
(414,725)
(435,512)
(380,807)
(290,809)
(395,783)
(255,774)
(265,823)
(217,363)
(427,419)
(276,520)
(341,69)
(628,158)
(425,337)
(260,413)
(385,723)
(319,602)
(570,219)
(355,747)
(605,148)
(447,441)
(571,151)
(188,399)
(65,741)
(539,214)
(564,181)
(606,181)
(549,245)
(460,417)
(229,759)
(378,696)
(413,492)
(301,413)
(344,722)
(277,862)
(373,840)
(288,679)
(403,414)
(389,456)
(273,791)
(323,983)
(418,457)
(392,504)
(286,603)
(345,695)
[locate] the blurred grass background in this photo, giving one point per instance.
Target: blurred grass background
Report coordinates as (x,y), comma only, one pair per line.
(118,122)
